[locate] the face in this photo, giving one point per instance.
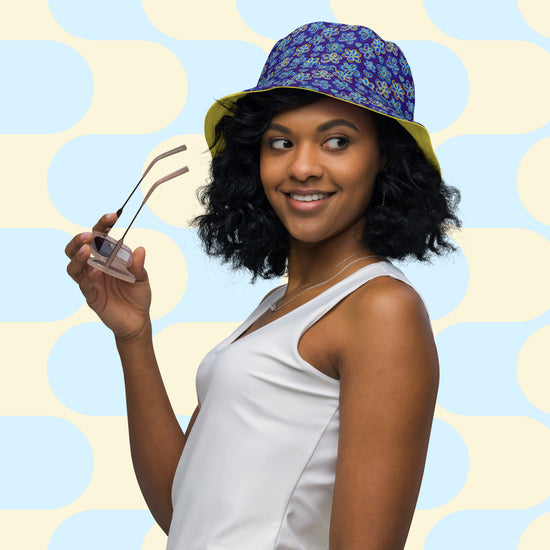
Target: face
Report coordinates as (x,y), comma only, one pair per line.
(318,164)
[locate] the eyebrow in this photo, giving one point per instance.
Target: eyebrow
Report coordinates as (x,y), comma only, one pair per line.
(279,128)
(321,128)
(337,122)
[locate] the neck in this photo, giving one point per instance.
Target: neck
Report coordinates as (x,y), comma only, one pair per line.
(307,262)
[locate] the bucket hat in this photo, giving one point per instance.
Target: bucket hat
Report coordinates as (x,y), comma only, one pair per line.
(347,62)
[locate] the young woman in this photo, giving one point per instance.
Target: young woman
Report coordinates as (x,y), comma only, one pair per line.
(314,416)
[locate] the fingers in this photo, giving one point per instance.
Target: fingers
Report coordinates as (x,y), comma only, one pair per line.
(104,222)
(74,245)
(77,267)
(138,263)
(78,251)
(84,238)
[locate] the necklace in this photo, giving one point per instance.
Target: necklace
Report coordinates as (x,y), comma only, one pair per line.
(285,300)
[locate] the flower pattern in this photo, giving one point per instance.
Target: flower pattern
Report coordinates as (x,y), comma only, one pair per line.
(332,57)
(347,37)
(343,75)
(368,52)
(369,67)
(367,83)
(301,77)
(366,34)
(409,89)
(340,84)
(331,31)
(348,62)
(397,90)
(310,62)
(392,48)
(392,64)
(316,40)
(353,56)
(382,88)
(404,66)
(321,74)
(379,46)
(383,73)
(351,69)
(314,27)
(335,47)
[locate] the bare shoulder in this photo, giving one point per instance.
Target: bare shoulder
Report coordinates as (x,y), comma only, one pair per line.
(385,340)
(382,314)
(385,298)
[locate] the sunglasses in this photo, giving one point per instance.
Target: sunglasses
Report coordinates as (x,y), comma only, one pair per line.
(112,256)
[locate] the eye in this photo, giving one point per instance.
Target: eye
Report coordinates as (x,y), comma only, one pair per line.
(336,142)
(280,143)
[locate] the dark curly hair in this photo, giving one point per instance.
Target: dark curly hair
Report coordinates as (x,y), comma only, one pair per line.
(408,213)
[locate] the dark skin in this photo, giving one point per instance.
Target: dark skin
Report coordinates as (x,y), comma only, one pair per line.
(156,438)
(377,341)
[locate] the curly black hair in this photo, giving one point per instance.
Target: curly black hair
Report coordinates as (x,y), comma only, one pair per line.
(408,214)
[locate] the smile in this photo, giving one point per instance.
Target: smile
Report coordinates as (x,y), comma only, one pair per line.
(309,198)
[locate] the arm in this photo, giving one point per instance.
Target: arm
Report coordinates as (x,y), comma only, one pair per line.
(156,439)
(389,376)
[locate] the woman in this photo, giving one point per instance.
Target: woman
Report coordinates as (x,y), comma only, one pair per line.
(314,416)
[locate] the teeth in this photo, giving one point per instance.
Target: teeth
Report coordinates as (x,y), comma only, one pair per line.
(309,198)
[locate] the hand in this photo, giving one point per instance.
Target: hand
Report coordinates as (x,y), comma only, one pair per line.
(122,306)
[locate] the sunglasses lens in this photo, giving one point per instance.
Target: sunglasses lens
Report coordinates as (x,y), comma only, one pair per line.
(105,247)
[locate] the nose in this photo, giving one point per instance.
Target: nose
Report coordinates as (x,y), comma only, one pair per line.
(305,163)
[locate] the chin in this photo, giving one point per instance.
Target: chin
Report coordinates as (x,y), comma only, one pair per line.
(311,238)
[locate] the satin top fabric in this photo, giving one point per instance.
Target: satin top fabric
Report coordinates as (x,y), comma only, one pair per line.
(257,471)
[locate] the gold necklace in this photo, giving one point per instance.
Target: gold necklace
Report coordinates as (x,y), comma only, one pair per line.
(283,300)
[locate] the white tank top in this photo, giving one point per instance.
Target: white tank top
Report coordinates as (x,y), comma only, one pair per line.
(257,472)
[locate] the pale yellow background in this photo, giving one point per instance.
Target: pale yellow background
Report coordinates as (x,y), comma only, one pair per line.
(511,471)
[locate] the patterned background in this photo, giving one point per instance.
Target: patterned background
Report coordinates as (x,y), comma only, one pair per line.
(91,90)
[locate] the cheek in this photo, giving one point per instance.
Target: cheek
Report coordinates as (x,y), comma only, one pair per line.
(364,180)
(268,175)
(362,173)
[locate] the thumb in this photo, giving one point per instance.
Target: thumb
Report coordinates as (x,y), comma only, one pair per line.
(138,264)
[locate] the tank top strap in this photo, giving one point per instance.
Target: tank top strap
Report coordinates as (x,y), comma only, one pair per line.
(310,312)
(306,315)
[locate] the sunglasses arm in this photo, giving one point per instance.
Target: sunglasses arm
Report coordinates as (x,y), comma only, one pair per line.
(113,254)
(147,170)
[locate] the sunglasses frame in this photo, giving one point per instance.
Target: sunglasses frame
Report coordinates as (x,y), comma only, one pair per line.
(116,264)
(119,264)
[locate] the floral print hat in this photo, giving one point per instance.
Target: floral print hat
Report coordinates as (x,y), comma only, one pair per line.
(347,62)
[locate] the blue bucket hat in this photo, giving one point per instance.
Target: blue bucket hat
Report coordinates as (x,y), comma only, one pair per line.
(347,62)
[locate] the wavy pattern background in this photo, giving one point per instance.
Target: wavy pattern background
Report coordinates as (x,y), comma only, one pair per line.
(92,90)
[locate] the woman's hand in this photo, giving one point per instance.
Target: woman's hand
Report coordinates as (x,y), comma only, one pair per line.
(122,306)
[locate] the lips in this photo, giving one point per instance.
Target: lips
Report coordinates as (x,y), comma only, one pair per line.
(307,201)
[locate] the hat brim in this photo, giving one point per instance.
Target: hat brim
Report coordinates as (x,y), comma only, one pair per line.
(224,106)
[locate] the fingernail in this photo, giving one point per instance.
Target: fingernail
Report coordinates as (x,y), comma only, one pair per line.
(85,236)
(82,250)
